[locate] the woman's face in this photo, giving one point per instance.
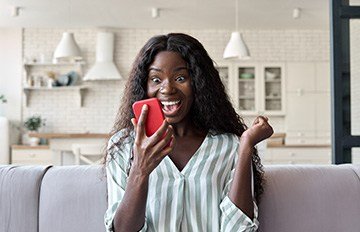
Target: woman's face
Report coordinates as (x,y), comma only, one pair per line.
(169,81)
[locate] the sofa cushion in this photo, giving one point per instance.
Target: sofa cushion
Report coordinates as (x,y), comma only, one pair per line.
(73,198)
(19,198)
(311,198)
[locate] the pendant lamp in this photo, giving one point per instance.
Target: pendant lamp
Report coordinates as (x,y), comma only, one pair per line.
(236,47)
(67,50)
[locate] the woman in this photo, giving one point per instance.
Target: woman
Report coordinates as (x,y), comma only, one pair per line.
(196,178)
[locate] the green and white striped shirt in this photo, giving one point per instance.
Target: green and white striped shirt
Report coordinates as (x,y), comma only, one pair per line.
(194,199)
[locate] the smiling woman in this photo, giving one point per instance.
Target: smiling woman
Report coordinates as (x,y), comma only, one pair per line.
(198,176)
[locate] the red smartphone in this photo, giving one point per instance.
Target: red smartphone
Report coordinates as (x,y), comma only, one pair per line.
(155,116)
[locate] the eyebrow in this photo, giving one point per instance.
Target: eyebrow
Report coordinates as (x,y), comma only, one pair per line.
(175,70)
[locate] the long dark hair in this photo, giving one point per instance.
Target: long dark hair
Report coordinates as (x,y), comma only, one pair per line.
(211,109)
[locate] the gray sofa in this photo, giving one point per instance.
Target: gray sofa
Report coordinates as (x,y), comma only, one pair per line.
(73,198)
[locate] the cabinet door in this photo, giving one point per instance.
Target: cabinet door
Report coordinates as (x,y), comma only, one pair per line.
(226,76)
(323,76)
(323,118)
(247,91)
(301,76)
(273,89)
(300,112)
(31,157)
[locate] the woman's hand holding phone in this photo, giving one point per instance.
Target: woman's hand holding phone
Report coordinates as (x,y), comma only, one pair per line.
(149,151)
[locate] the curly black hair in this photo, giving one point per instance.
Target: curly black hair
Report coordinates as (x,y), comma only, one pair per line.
(219,116)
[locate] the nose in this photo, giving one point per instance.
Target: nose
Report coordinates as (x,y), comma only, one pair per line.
(167,87)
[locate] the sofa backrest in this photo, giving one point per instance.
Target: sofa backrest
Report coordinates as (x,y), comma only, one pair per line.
(311,198)
(73,198)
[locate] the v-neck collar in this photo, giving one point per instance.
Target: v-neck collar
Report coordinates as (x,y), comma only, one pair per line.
(190,163)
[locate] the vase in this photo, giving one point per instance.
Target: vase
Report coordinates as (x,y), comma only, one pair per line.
(27,140)
(34,141)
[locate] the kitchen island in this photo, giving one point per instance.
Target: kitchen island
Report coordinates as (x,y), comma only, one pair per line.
(61,144)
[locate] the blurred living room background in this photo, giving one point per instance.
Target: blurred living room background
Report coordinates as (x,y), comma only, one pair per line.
(53,105)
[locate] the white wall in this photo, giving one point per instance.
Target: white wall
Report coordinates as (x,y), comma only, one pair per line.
(355,83)
(10,75)
(102,99)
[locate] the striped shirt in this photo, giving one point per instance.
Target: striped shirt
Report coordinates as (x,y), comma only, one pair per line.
(193,199)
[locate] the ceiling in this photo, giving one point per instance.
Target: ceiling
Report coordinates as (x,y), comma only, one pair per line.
(174,14)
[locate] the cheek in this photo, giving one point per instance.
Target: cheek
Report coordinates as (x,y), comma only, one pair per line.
(151,91)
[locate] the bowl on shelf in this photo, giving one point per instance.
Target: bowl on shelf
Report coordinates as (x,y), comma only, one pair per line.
(270,75)
(246,75)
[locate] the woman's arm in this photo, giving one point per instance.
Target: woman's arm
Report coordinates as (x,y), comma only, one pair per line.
(240,191)
(148,153)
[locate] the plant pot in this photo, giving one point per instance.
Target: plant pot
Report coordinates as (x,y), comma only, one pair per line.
(34,141)
(25,139)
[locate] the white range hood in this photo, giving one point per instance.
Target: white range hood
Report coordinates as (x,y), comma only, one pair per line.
(104,68)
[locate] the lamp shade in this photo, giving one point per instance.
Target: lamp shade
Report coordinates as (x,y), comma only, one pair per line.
(67,50)
(236,48)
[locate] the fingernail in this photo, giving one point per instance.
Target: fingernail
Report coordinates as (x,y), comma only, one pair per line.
(145,107)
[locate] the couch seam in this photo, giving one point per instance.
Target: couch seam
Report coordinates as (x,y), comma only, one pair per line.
(40,184)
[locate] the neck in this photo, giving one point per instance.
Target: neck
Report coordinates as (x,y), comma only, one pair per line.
(186,128)
(183,129)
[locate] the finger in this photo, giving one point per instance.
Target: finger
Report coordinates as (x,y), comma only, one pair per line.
(166,140)
(159,133)
(169,148)
(261,119)
(140,129)
(256,121)
(133,122)
(265,117)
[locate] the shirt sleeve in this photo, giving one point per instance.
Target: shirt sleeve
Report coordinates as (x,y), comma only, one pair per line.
(116,175)
(233,218)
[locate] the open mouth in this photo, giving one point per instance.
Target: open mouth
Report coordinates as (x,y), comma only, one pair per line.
(170,107)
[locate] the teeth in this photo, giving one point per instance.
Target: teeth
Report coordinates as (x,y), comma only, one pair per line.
(169,103)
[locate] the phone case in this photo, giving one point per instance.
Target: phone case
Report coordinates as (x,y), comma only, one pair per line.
(155,116)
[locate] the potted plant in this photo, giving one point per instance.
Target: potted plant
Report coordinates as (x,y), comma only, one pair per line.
(33,124)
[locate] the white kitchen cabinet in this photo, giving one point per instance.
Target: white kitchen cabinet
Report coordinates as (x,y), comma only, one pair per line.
(27,155)
(255,88)
(308,118)
(323,112)
(308,77)
(301,110)
(308,103)
(323,76)
(301,77)
(297,155)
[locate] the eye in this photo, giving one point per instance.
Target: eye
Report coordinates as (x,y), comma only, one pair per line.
(180,78)
(155,79)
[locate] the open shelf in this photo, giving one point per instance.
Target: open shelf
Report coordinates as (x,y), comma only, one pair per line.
(79,89)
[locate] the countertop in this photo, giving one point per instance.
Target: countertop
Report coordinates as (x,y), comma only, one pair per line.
(68,135)
(298,145)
